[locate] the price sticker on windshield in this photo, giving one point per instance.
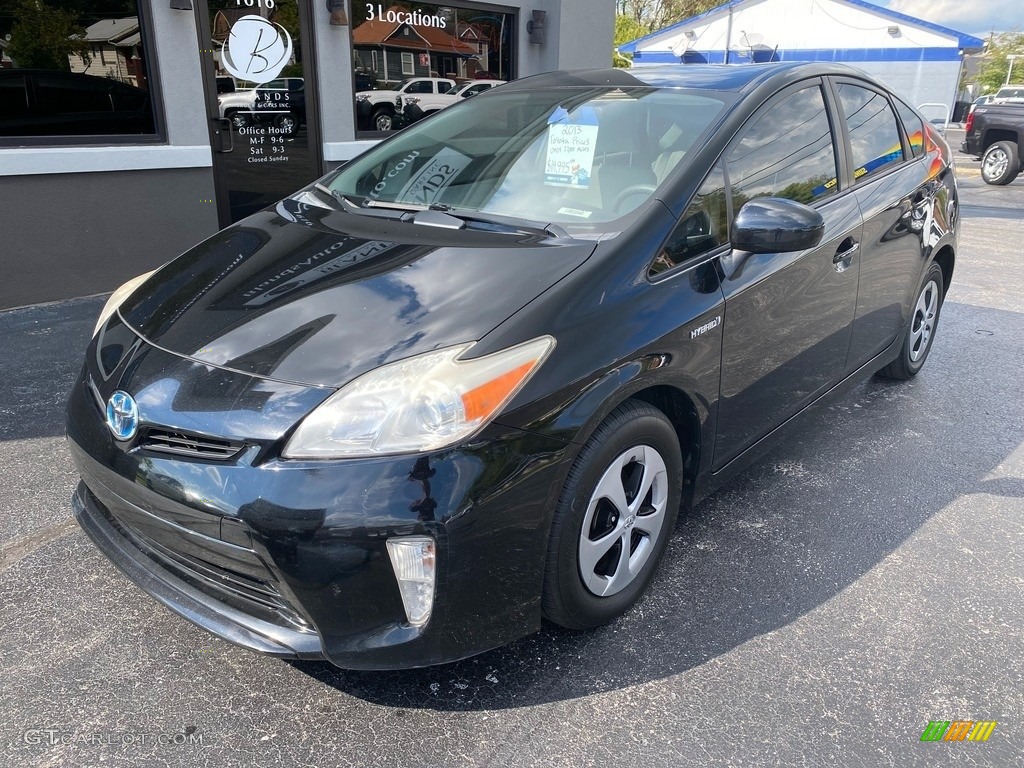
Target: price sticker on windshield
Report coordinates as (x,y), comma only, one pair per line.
(571,142)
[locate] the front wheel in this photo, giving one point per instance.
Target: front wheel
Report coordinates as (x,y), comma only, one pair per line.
(383,120)
(614,518)
(1000,164)
(917,341)
(239,119)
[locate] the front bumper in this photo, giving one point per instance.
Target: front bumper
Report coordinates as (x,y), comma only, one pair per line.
(289,557)
(142,564)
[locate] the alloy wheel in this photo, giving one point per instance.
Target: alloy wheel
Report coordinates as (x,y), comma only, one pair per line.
(923,322)
(995,164)
(624,519)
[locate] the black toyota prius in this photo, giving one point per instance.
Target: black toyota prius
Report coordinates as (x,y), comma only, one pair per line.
(465,383)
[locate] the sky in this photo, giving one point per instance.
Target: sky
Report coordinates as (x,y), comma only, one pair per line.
(974,17)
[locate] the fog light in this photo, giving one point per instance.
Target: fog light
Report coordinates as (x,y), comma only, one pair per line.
(414,562)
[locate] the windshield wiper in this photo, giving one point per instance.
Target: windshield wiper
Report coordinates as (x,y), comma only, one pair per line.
(506,223)
(395,206)
(444,215)
(364,206)
(347,202)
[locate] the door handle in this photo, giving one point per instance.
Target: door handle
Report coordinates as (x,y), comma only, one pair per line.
(224,128)
(844,256)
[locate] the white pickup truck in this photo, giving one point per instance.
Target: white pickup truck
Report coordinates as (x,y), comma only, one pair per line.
(410,108)
(375,110)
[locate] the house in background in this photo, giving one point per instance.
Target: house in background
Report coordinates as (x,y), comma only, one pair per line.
(391,51)
(916,58)
(115,51)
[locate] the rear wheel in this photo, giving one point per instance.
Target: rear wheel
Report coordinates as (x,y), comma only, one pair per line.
(920,334)
(287,124)
(1001,163)
(614,518)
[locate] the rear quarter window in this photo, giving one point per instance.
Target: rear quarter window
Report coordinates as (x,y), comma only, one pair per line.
(913,126)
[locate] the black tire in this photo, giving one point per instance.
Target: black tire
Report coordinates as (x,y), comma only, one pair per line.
(1000,164)
(288,124)
(239,119)
(383,119)
(567,600)
(917,343)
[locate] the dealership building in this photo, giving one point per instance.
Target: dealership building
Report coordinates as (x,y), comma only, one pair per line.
(917,59)
(151,124)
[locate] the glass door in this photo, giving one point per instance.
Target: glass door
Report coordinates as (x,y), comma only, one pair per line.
(260,101)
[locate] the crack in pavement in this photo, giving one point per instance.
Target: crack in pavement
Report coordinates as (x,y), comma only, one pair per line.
(14,551)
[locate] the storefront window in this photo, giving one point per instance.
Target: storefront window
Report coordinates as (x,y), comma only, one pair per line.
(400,47)
(74,68)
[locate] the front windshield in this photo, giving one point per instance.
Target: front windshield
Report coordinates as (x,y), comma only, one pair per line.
(571,156)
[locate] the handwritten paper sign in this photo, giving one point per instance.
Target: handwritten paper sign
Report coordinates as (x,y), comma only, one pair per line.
(434,177)
(571,143)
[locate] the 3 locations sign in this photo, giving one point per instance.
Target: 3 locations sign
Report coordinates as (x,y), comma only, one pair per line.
(376,12)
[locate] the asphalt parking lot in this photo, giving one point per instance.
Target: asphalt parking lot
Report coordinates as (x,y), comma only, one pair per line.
(863,579)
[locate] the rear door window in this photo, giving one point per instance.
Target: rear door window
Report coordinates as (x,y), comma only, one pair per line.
(874,133)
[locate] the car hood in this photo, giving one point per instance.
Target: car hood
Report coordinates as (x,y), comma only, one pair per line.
(313,296)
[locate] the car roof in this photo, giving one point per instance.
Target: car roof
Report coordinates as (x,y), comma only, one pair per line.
(717,77)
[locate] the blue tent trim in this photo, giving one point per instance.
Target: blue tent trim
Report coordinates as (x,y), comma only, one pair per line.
(963,41)
(847,55)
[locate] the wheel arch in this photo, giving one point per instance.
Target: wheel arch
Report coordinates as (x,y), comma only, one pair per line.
(687,412)
(993,135)
(680,410)
(946,259)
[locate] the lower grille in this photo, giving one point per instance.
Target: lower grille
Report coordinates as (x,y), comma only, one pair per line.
(255,596)
(255,592)
(189,444)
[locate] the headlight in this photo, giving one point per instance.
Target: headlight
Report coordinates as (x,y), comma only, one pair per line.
(423,403)
(362,97)
(117,297)
(410,100)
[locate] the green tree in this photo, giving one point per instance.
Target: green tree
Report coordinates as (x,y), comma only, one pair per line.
(626,28)
(42,36)
(658,14)
(996,62)
(636,18)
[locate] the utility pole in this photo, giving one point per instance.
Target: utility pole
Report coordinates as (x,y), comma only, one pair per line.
(728,34)
(1009,69)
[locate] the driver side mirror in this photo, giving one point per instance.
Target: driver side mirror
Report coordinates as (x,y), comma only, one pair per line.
(776,225)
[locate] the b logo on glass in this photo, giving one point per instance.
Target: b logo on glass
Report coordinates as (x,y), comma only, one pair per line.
(256,50)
